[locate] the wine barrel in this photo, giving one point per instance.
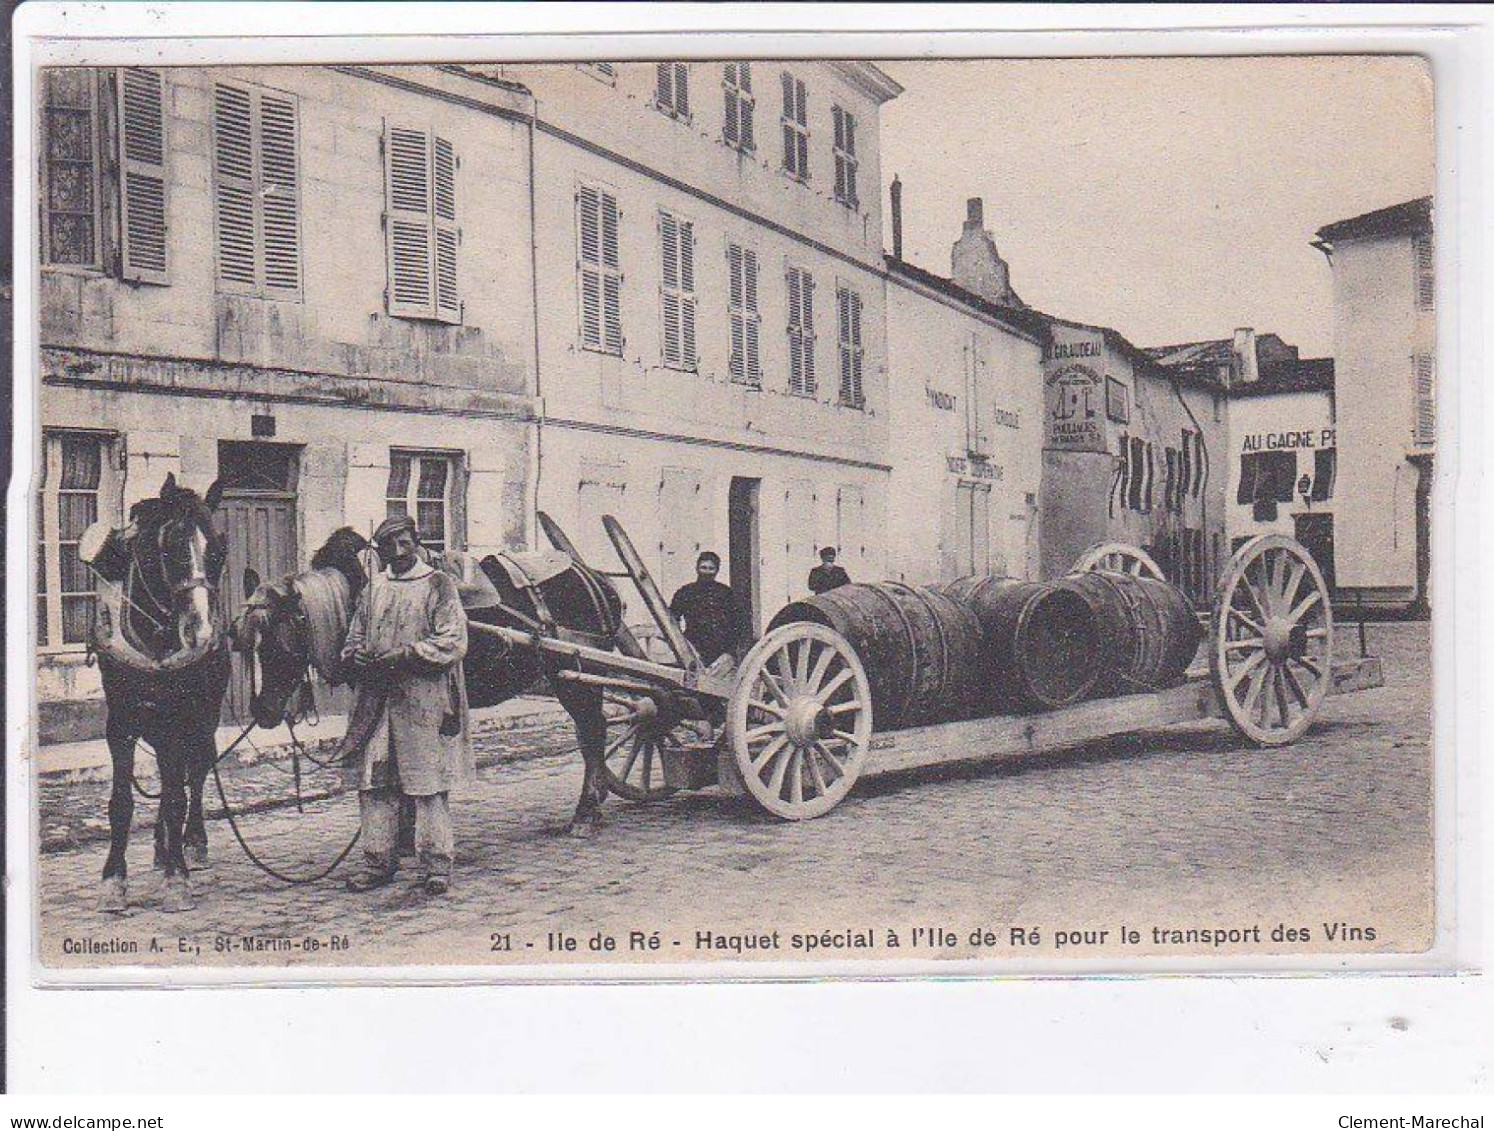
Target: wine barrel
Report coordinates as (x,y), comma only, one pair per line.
(921,649)
(1149,632)
(1041,643)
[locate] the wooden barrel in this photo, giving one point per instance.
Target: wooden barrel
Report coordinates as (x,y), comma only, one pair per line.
(1148,631)
(1040,642)
(921,649)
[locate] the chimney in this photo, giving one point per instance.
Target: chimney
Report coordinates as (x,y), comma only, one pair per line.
(897,218)
(1247,366)
(974,262)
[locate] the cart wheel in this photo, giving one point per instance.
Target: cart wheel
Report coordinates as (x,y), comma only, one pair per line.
(1117,557)
(800,720)
(638,729)
(1271,640)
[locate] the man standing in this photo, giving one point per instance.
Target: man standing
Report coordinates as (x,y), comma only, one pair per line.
(827,575)
(409,722)
(714,620)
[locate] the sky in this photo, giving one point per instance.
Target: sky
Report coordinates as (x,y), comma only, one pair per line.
(1171,199)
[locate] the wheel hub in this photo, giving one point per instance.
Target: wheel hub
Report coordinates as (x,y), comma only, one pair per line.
(1278,639)
(805,720)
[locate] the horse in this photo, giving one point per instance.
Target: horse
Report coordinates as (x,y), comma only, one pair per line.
(298,625)
(165,669)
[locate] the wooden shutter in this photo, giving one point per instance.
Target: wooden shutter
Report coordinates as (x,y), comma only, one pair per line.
(735,304)
(444,224)
(280,193)
(839,117)
(664,85)
(407,223)
(731,132)
(745,105)
(142,175)
(669,250)
(233,163)
(589,260)
(682,89)
(687,294)
(749,294)
(612,278)
(1426,403)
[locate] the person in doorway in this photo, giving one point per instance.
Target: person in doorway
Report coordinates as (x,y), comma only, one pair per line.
(827,575)
(408,733)
(712,616)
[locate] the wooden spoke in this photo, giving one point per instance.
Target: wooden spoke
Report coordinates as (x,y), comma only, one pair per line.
(780,770)
(1307,603)
(796,776)
(1116,557)
(842,708)
(776,689)
(816,775)
(801,668)
(1246,621)
(766,708)
(1296,687)
(1243,643)
(822,665)
(761,760)
(1250,664)
(840,680)
(633,757)
(1310,664)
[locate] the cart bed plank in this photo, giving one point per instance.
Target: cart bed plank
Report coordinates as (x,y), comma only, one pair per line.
(1007,736)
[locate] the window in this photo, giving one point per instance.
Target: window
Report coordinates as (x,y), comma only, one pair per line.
(82,108)
(1267,476)
(746,359)
(71,188)
(736,129)
(1171,495)
(795,128)
(1117,401)
(845,157)
(257,191)
(1324,471)
(420,225)
(1426,281)
(420,485)
(677,290)
(1425,429)
(848,324)
(78,487)
(1135,472)
(801,332)
(599,274)
(672,90)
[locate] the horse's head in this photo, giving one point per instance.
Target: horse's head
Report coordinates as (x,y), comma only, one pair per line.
(182,556)
(288,625)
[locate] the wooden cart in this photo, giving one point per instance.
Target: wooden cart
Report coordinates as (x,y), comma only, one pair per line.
(792,726)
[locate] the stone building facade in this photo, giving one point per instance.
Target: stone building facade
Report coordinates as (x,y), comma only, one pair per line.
(311,283)
(1384,347)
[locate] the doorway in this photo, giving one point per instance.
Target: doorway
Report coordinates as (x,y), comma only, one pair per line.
(1315,532)
(743,545)
(258,517)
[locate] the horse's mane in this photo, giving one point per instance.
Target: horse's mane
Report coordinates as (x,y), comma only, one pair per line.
(343,551)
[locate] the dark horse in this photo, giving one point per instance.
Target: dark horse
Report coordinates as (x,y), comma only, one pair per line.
(299,623)
(165,666)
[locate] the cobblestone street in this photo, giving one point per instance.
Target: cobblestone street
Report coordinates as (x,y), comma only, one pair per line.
(1186,828)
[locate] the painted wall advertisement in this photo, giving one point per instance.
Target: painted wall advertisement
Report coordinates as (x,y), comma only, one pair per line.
(1074,383)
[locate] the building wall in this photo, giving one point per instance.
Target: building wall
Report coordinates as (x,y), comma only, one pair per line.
(966,446)
(1378,331)
(167,372)
(1300,424)
(1091,491)
(634,427)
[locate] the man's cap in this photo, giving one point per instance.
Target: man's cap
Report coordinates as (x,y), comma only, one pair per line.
(392,526)
(709,556)
(827,551)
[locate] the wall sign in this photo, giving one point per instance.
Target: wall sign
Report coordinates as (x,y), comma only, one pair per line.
(944,402)
(973,469)
(1074,398)
(1306,438)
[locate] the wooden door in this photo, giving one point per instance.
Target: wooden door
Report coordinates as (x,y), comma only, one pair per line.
(261,532)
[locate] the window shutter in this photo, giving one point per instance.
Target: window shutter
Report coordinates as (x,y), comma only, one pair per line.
(1426,403)
(589,236)
(669,250)
(612,281)
(730,131)
(682,89)
(407,227)
(233,161)
(142,175)
(664,85)
(448,236)
(745,114)
(280,193)
(687,296)
(806,306)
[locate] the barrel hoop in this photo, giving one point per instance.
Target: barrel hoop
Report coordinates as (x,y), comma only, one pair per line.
(911,687)
(922,598)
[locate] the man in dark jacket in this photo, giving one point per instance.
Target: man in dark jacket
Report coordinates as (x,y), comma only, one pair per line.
(827,575)
(714,620)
